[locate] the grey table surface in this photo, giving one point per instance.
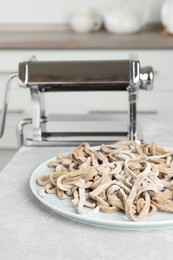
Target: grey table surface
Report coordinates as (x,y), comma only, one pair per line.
(30,230)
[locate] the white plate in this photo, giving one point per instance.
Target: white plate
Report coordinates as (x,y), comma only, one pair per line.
(116,220)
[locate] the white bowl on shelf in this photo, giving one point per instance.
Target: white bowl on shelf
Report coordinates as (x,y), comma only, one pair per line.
(128,18)
(167,15)
(85,20)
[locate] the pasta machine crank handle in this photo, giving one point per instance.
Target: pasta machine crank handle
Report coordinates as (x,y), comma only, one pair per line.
(5,103)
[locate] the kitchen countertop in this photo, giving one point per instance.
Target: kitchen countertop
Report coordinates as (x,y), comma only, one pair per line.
(30,230)
(148,38)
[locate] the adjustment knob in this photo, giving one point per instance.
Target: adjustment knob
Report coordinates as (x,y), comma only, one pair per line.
(146,78)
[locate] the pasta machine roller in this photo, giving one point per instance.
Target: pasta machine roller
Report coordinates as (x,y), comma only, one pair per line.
(41,77)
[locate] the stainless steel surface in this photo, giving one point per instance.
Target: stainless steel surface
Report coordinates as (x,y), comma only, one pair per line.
(132,133)
(38,112)
(5,102)
(54,76)
(117,75)
(70,130)
(84,75)
(146,78)
(19,130)
(76,75)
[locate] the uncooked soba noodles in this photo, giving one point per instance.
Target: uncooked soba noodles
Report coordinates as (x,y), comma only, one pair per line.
(125,176)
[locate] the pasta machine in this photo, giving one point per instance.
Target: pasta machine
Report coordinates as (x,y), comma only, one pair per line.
(41,77)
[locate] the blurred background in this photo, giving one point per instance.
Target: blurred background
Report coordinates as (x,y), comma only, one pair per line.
(58,12)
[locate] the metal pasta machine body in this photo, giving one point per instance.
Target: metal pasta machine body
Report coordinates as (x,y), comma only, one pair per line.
(41,77)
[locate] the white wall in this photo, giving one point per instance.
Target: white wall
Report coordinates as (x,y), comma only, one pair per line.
(58,11)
